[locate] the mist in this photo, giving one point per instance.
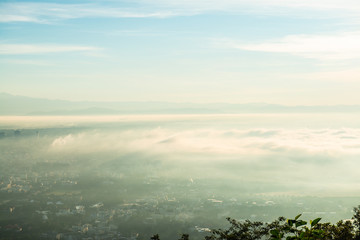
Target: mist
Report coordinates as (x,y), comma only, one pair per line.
(210,166)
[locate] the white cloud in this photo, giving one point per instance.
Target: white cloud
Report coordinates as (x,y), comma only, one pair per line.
(261,155)
(47,12)
(18,18)
(338,8)
(13,49)
(220,147)
(218,143)
(338,46)
(347,75)
(61,141)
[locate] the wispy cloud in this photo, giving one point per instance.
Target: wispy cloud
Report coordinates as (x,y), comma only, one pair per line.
(338,46)
(25,62)
(15,49)
(47,12)
(337,7)
(214,4)
(18,18)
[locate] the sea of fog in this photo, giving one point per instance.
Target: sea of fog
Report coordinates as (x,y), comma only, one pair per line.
(315,154)
(293,163)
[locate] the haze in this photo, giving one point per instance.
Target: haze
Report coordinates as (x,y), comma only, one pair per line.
(123,119)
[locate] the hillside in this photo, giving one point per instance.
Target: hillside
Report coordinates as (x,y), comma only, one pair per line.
(21,105)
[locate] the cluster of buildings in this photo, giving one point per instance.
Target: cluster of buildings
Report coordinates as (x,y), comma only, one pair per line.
(53,206)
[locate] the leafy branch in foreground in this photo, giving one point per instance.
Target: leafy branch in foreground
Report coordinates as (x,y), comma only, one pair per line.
(286,229)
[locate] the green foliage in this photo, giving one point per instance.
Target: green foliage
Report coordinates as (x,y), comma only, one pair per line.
(155,237)
(289,229)
(184,237)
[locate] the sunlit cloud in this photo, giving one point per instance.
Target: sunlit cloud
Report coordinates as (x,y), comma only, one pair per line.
(347,75)
(313,158)
(14,49)
(261,155)
(339,46)
(256,142)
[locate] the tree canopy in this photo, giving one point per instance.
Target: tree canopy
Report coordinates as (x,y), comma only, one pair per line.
(286,229)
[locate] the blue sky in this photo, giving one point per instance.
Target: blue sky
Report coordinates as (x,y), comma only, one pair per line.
(274,51)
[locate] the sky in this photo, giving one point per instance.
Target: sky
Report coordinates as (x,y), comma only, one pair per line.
(232,51)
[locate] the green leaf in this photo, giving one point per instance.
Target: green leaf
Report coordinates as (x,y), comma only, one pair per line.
(297,217)
(274,232)
(300,223)
(315,221)
(290,222)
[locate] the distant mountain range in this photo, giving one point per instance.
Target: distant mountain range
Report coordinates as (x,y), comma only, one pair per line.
(21,105)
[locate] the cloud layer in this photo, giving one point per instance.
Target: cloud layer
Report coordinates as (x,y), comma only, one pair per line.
(316,160)
(228,149)
(232,142)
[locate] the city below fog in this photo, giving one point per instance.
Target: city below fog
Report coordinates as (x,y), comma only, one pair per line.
(179,119)
(132,176)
